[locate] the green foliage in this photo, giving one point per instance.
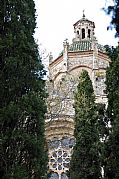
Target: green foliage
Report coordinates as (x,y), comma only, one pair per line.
(112,82)
(85,162)
(112,144)
(22,93)
(114,12)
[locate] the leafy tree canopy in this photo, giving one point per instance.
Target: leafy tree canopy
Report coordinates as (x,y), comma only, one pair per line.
(114,11)
(85,162)
(22,93)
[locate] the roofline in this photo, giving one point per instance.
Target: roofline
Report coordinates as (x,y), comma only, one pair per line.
(60,58)
(55,61)
(83,20)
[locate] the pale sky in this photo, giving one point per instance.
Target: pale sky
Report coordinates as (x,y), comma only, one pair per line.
(56,18)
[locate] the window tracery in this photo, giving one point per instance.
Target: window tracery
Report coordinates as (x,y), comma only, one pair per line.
(59,155)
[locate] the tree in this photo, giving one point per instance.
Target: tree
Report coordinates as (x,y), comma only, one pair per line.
(85,162)
(22,93)
(114,11)
(111,156)
(112,144)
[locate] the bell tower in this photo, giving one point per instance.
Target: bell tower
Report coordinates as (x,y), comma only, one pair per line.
(84,29)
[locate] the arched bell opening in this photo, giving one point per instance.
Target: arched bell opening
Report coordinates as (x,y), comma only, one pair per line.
(89,33)
(83,33)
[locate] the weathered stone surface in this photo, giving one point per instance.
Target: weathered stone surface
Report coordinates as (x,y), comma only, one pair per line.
(64,72)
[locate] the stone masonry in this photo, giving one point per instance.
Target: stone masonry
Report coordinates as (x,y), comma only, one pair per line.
(83,54)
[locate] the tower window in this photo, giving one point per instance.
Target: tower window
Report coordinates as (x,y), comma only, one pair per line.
(89,33)
(77,32)
(83,33)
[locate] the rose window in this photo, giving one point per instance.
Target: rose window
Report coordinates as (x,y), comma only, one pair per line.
(60,160)
(59,156)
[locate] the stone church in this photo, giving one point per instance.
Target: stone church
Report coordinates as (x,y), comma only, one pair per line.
(83,53)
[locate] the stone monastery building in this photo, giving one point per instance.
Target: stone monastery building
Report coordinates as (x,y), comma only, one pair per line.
(64,72)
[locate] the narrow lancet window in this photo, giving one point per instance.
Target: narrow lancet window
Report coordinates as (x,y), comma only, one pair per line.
(83,33)
(88,33)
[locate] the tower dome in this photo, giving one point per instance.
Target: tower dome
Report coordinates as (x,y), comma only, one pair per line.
(84,39)
(84,29)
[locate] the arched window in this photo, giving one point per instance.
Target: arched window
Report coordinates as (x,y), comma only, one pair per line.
(53,175)
(77,32)
(89,33)
(83,33)
(64,176)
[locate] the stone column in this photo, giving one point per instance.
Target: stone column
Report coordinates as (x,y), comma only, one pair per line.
(95,62)
(65,54)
